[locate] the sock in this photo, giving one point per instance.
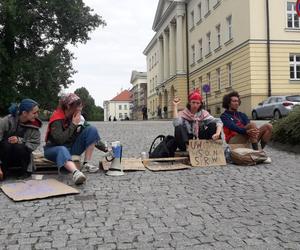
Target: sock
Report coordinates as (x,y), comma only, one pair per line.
(255,146)
(263,144)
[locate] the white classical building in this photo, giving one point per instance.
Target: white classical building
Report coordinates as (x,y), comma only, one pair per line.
(119,107)
(139,93)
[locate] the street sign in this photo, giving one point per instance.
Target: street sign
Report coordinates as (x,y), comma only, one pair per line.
(206,88)
(298,8)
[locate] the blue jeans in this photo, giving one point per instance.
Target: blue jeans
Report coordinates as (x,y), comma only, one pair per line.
(62,154)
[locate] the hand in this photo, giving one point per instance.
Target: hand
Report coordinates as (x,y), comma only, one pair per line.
(76,118)
(216,136)
(13,140)
(176,101)
(253,133)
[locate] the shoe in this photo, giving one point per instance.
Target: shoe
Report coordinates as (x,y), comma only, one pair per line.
(268,160)
(101,146)
(78,177)
(87,167)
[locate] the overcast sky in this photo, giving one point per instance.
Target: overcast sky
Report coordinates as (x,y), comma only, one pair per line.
(105,62)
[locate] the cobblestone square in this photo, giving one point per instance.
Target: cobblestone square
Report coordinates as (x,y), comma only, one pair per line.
(230,207)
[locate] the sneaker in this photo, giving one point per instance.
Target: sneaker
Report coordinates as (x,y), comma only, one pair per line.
(78,177)
(87,167)
(268,160)
(101,146)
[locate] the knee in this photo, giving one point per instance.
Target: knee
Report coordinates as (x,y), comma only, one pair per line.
(92,131)
(269,127)
(63,152)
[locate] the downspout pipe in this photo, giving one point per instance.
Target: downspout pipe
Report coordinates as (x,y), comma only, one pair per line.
(268,49)
(187,50)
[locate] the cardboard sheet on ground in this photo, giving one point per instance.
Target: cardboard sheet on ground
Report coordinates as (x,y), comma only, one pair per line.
(166,164)
(128,164)
(36,189)
(205,153)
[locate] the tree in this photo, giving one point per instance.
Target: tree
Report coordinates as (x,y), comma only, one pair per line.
(90,111)
(34,59)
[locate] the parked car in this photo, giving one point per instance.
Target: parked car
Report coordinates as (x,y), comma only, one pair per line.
(275,107)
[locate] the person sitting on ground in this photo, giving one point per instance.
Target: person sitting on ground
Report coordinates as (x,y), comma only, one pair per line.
(237,127)
(194,122)
(66,136)
(19,136)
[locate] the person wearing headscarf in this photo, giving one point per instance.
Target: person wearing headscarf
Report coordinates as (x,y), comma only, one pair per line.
(19,136)
(66,136)
(194,122)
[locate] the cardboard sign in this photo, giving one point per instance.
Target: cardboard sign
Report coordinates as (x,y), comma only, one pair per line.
(205,153)
(36,189)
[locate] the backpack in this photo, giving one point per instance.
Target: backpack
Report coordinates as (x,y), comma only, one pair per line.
(247,156)
(163,147)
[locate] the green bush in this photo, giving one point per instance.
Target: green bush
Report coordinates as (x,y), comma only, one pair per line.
(287,129)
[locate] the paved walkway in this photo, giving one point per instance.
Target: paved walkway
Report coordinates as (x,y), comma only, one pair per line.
(204,208)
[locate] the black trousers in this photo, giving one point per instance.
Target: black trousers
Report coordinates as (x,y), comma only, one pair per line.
(182,136)
(15,158)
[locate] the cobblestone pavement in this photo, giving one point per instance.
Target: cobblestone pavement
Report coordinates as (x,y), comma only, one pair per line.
(204,208)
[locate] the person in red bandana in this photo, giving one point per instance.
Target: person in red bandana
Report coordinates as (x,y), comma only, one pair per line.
(194,122)
(66,137)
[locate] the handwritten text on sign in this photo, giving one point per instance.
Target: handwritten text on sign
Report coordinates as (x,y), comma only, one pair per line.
(204,153)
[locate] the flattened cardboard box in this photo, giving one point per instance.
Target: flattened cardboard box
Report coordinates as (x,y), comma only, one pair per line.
(36,189)
(128,164)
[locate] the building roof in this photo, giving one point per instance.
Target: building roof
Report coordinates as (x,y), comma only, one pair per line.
(124,96)
(137,75)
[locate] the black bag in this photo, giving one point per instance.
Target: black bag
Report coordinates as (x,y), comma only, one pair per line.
(163,147)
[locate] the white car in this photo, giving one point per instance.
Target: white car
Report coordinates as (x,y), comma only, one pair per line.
(275,107)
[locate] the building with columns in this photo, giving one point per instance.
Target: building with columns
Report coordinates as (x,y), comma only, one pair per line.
(251,46)
(139,93)
(166,57)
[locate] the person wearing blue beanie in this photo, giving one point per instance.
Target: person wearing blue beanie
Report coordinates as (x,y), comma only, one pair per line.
(19,136)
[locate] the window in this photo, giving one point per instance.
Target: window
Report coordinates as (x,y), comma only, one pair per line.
(155,60)
(155,80)
(218,71)
(200,49)
(120,115)
(208,43)
(193,54)
(120,107)
(200,11)
(208,5)
(295,67)
(192,19)
(218,29)
(193,85)
(229,26)
(292,16)
(151,86)
(125,115)
(208,80)
(125,106)
(150,64)
(200,83)
(229,72)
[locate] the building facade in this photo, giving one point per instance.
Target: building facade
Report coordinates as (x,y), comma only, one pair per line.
(238,45)
(139,94)
(119,107)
